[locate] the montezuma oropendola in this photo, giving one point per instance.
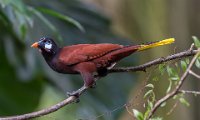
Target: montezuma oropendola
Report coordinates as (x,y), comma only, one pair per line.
(87,59)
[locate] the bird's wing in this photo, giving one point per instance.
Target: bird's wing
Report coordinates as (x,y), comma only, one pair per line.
(75,54)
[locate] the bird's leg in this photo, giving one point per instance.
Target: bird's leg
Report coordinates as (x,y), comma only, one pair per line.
(86,70)
(88,83)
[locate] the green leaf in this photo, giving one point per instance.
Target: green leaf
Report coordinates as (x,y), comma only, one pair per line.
(62,17)
(170,86)
(172,73)
(196,41)
(169,71)
(150,105)
(148,93)
(177,67)
(185,102)
(163,104)
(157,118)
(175,96)
(149,108)
(138,114)
(197,63)
(175,78)
(183,65)
(187,60)
(150,85)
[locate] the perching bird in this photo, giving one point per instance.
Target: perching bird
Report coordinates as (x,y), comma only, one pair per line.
(87,59)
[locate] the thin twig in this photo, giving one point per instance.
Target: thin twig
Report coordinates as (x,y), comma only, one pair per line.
(71,99)
(129,112)
(189,92)
(173,108)
(176,90)
(194,74)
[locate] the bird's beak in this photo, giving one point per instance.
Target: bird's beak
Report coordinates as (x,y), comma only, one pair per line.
(35,45)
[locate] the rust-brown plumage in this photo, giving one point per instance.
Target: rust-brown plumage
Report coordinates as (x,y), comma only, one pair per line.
(87,59)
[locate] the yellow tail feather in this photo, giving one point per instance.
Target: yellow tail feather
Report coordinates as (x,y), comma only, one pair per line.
(155,44)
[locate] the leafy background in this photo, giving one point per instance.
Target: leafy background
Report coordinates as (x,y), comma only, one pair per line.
(26,82)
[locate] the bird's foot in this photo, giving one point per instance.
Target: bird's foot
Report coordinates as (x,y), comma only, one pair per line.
(77,93)
(93,85)
(73,93)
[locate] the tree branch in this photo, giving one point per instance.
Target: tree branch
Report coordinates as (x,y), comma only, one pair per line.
(194,74)
(189,92)
(157,61)
(114,70)
(42,112)
(176,90)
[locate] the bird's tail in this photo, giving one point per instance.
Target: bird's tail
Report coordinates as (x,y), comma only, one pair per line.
(155,44)
(125,51)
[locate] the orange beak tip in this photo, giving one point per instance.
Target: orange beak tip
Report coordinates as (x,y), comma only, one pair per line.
(35,45)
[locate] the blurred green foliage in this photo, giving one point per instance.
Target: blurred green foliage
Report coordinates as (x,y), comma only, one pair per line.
(28,84)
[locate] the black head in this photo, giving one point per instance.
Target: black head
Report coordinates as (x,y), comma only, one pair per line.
(46,45)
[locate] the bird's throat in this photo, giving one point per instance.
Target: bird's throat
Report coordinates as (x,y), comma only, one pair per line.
(49,56)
